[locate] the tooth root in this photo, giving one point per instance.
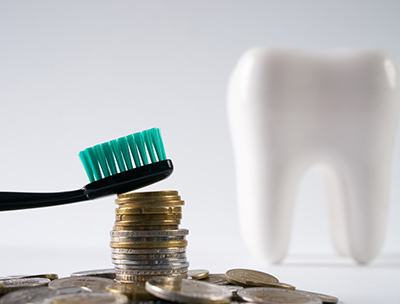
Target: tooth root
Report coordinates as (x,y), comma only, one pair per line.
(266,215)
(367,207)
(336,196)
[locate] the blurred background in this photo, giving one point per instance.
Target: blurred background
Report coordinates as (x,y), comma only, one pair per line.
(76,73)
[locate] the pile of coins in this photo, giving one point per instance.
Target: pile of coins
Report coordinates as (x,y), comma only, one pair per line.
(146,240)
(235,286)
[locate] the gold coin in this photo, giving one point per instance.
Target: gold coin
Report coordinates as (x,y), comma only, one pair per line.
(145,227)
(134,194)
(148,210)
(326,299)
(133,291)
(139,217)
(280,285)
(150,203)
(216,278)
(198,274)
(166,244)
(149,222)
(248,277)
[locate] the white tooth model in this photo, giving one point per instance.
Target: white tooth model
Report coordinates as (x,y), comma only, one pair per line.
(290,110)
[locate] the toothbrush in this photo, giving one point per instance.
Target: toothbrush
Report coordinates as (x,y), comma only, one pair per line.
(120,165)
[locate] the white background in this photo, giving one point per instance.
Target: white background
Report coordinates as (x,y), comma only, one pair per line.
(76,73)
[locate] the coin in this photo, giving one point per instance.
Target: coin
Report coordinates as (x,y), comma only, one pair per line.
(50,276)
(119,227)
(148,222)
(152,203)
(198,274)
(233,288)
(154,239)
(184,265)
(248,277)
(187,291)
(324,298)
(150,262)
(149,250)
(152,233)
(94,284)
(36,294)
(146,257)
(267,295)
(138,245)
(12,284)
(149,210)
(217,279)
(163,193)
(134,291)
(147,217)
(89,298)
(280,285)
(102,273)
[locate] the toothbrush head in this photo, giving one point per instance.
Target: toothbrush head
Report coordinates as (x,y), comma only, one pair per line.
(125,164)
(123,154)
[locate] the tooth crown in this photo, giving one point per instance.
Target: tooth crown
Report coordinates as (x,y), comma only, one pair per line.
(290,110)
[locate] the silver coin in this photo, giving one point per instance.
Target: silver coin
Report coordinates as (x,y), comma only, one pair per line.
(149,233)
(149,250)
(36,295)
(198,274)
(149,262)
(187,291)
(147,239)
(141,279)
(50,276)
(102,273)
(149,272)
(146,257)
(152,267)
(88,298)
(7,285)
(324,298)
(267,295)
(94,284)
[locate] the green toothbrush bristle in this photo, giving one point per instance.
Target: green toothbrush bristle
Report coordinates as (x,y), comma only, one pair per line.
(123,154)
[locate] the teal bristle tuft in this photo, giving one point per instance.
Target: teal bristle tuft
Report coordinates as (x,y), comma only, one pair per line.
(122,154)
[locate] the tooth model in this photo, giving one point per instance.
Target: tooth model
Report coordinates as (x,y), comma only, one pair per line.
(290,110)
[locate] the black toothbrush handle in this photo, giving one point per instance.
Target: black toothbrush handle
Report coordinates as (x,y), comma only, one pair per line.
(122,182)
(26,200)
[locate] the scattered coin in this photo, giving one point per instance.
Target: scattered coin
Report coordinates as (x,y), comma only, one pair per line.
(133,291)
(11,284)
(198,274)
(267,295)
(94,284)
(36,295)
(102,273)
(324,298)
(248,277)
(280,285)
(187,291)
(217,279)
(50,276)
(88,298)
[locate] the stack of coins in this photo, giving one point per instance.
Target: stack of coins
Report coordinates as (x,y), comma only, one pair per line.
(146,240)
